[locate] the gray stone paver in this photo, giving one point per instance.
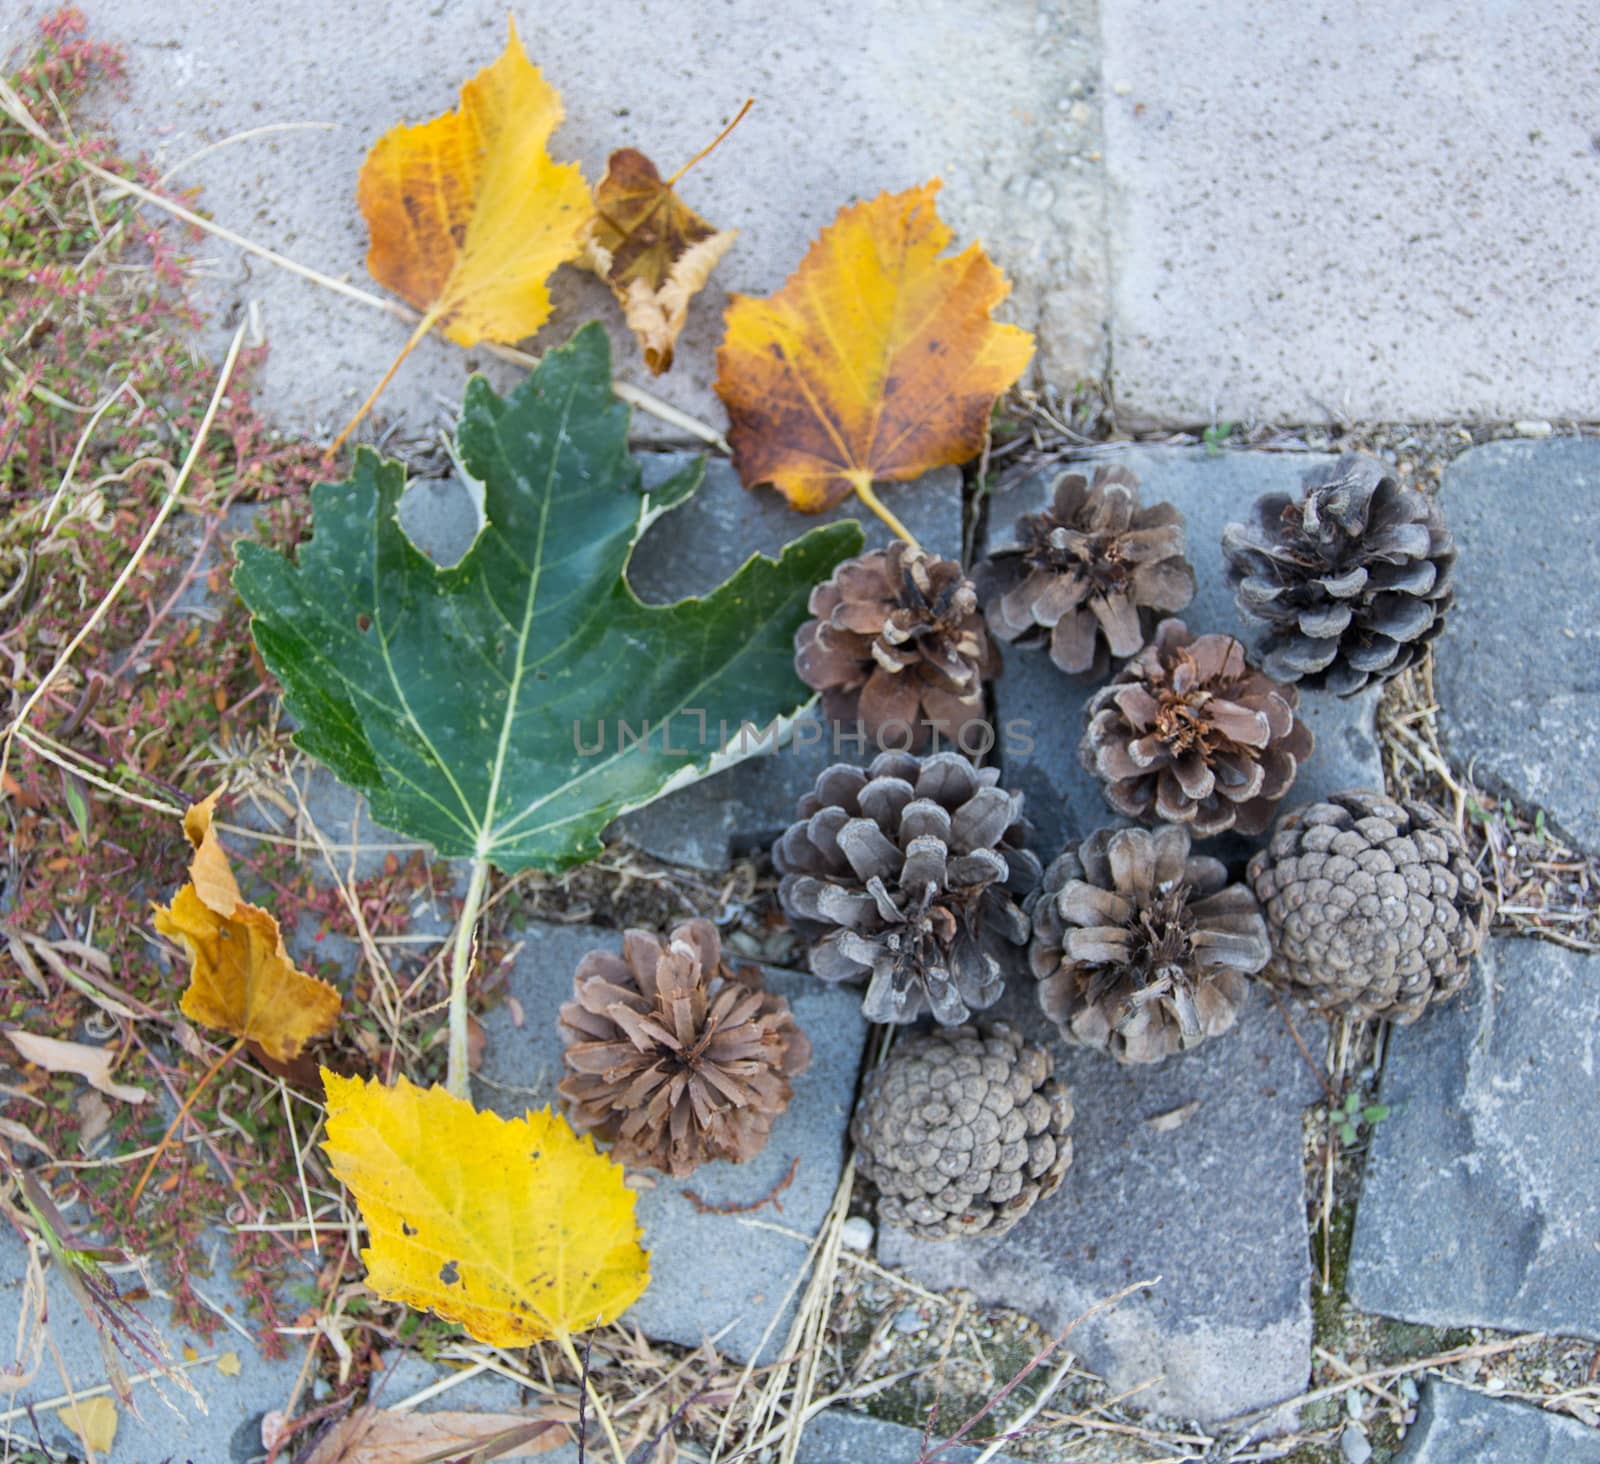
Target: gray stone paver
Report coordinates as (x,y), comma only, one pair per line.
(1359,211)
(1212,1207)
(712,1275)
(688,552)
(1518,666)
(1478,1207)
(1035,701)
(1457,1425)
(848,103)
(230,1429)
(838,1436)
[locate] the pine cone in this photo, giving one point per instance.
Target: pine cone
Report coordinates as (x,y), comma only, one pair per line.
(673,1059)
(1142,948)
(1189,733)
(1375,907)
(908,873)
(898,643)
(962,1130)
(1351,582)
(1090,574)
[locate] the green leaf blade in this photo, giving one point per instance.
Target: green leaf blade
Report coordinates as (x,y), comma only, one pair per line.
(467,704)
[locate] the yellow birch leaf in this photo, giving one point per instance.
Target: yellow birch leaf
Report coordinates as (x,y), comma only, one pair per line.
(878,359)
(228,1365)
(652,249)
(516,1228)
(241,978)
(94,1420)
(468,213)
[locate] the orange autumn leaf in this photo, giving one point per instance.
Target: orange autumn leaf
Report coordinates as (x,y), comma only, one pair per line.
(469,215)
(241,977)
(877,361)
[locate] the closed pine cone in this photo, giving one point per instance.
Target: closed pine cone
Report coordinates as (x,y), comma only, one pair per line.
(673,1059)
(1351,580)
(899,645)
(962,1130)
(1188,732)
(1141,948)
(909,875)
(1374,906)
(1091,573)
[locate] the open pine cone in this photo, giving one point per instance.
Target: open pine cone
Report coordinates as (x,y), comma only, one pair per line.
(1351,580)
(962,1130)
(898,644)
(908,874)
(1091,572)
(673,1059)
(1187,732)
(1375,907)
(1142,948)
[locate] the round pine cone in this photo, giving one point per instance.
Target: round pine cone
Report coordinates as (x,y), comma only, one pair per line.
(1375,907)
(672,1058)
(1090,573)
(898,645)
(908,873)
(1142,948)
(1351,581)
(1187,732)
(962,1130)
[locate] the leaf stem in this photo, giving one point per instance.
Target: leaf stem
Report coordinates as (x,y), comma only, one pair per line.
(565,1342)
(458,1077)
(424,325)
(862,483)
(183,1112)
(710,146)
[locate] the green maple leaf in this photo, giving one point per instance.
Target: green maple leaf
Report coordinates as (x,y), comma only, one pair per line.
(450,697)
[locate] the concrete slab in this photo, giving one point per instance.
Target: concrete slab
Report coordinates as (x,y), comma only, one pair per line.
(1478,1204)
(848,103)
(1519,698)
(1360,211)
(713,1275)
(1035,703)
(230,1430)
(1457,1425)
(1228,1329)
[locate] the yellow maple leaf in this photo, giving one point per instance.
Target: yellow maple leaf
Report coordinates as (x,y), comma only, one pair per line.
(877,361)
(652,248)
(241,978)
(469,215)
(516,1228)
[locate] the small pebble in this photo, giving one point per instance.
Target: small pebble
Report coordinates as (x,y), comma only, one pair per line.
(910,1320)
(1354,1402)
(1494,1385)
(1408,1389)
(1353,1444)
(1533,428)
(1122,88)
(856,1233)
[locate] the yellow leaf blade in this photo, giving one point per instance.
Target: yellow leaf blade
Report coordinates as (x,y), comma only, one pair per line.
(468,213)
(241,978)
(878,359)
(515,1228)
(94,1420)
